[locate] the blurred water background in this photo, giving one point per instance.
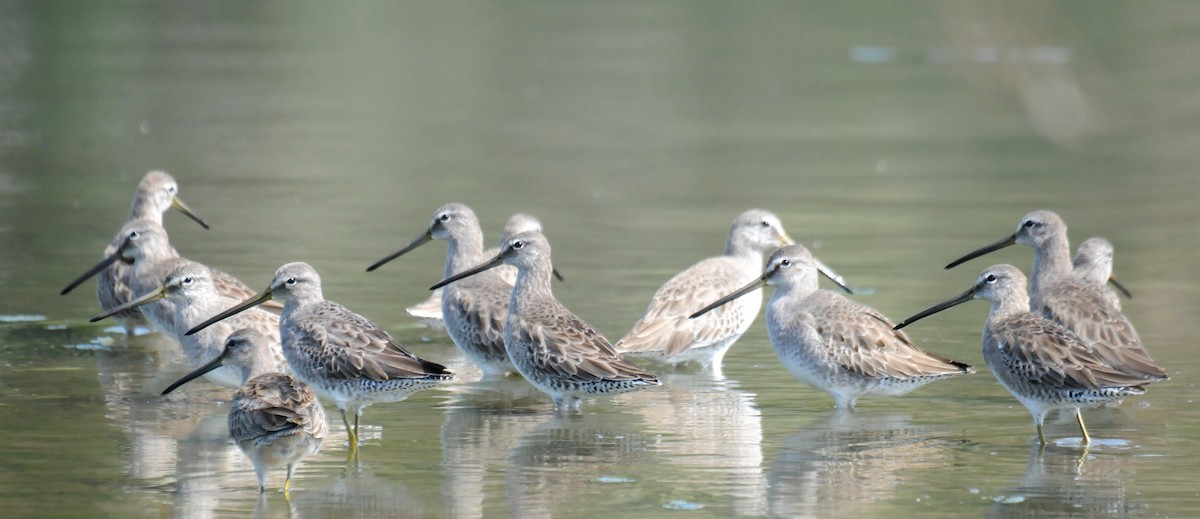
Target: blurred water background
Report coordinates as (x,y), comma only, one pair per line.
(890,137)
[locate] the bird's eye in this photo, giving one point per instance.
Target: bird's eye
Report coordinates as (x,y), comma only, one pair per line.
(785,263)
(991,278)
(134,235)
(172,190)
(1029,224)
(518,244)
(187,281)
(765,223)
(290,281)
(445,217)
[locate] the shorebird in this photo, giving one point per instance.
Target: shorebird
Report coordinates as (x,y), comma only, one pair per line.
(190,289)
(429,311)
(1082,307)
(550,346)
(342,355)
(156,194)
(1093,262)
(1042,363)
(666,334)
(148,250)
(275,419)
(835,344)
(473,310)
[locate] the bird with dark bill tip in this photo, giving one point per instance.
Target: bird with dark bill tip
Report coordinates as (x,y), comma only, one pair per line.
(1082,307)
(1093,262)
(156,194)
(473,309)
(835,344)
(550,346)
(274,419)
(148,250)
(1042,363)
(666,334)
(429,311)
(342,355)
(193,295)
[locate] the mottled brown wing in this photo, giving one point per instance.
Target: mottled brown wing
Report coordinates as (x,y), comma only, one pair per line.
(1083,308)
(865,343)
(349,346)
(665,326)
(1047,354)
(112,287)
(563,343)
(272,404)
(485,308)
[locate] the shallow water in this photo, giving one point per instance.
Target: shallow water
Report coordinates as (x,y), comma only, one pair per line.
(891,139)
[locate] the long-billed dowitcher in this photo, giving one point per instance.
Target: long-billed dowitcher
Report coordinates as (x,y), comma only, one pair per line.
(554,349)
(473,309)
(1082,307)
(148,249)
(342,355)
(1042,363)
(156,194)
(1093,262)
(194,298)
(835,344)
(429,311)
(274,418)
(666,334)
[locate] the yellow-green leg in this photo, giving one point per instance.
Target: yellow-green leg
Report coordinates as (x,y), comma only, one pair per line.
(287,486)
(351,432)
(1041,436)
(1079,416)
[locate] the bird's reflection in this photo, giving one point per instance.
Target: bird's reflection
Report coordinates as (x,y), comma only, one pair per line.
(1070,482)
(559,465)
(845,461)
(357,491)
(711,425)
(483,420)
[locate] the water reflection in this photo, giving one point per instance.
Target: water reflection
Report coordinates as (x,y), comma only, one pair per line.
(846,462)
(710,427)
(564,464)
(483,421)
(1069,482)
(357,491)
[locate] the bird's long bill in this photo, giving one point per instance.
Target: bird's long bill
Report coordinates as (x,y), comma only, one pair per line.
(152,296)
(415,243)
(784,239)
(94,270)
(1008,240)
(492,263)
(241,307)
(754,285)
(958,300)
(836,278)
(1120,288)
(199,372)
(556,274)
(187,211)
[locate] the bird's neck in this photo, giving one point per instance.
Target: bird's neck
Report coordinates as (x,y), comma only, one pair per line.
(463,253)
(1015,303)
(532,284)
(1052,259)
